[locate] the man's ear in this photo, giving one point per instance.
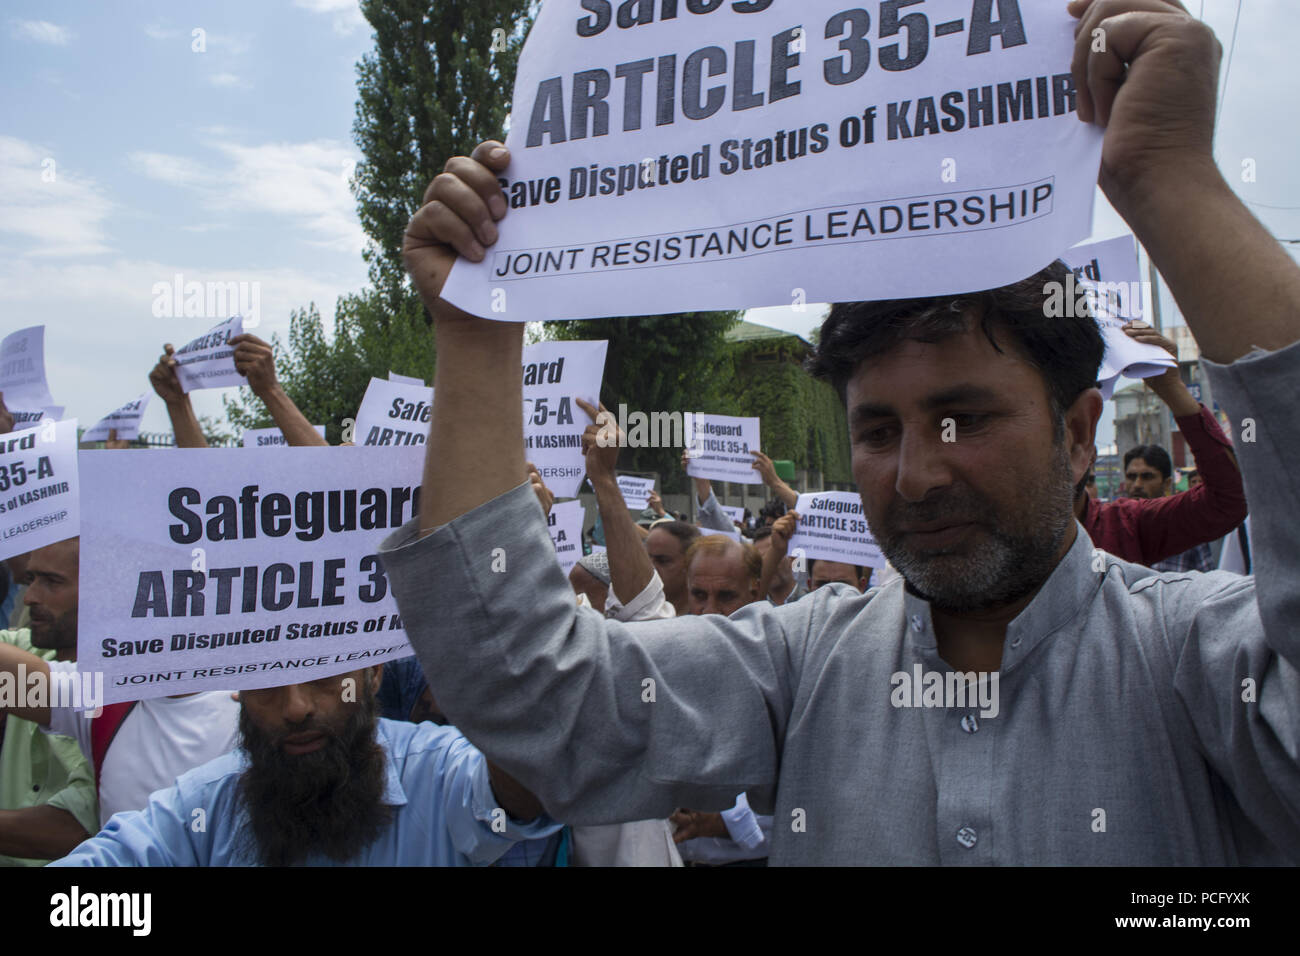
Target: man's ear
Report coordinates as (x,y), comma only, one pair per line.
(1081,432)
(376,677)
(1168,486)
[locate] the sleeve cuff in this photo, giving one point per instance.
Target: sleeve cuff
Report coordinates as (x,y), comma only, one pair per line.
(742,824)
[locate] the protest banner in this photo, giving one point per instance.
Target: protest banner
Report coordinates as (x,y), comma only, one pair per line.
(125,421)
(719,448)
(22,369)
(405,379)
(39,502)
(1107,281)
(831,528)
(208,361)
(31,417)
(394,413)
(636,491)
(556,373)
(565,525)
(271,437)
(239,571)
(735,155)
(735,514)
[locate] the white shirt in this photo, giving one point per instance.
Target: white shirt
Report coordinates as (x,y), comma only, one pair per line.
(643,842)
(159,740)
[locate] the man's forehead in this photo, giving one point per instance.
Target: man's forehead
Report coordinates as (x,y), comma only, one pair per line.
(955,367)
(728,564)
(56,558)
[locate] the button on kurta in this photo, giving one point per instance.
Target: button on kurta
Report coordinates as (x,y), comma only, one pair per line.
(970,724)
(967,837)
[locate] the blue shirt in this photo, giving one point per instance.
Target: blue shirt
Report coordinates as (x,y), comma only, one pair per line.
(437,783)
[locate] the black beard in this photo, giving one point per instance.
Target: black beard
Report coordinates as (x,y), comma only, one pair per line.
(60,634)
(327,802)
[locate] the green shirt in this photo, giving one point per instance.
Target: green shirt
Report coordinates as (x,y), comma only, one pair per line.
(38,768)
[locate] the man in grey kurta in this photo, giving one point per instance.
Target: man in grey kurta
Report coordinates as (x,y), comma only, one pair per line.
(1139,718)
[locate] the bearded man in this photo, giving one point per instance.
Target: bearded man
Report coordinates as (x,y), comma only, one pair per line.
(321,779)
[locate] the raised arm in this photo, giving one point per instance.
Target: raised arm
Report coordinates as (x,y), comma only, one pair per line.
(185,424)
(1237,651)
(770,478)
(487,608)
(1169,526)
(1158,154)
(630,569)
(255,360)
(782,531)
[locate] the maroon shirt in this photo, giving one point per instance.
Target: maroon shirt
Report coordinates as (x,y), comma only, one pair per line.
(1147,530)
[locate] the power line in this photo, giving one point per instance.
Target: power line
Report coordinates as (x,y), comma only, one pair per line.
(1227,70)
(1265,205)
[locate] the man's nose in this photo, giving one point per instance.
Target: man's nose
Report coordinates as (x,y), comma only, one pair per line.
(922,464)
(298,706)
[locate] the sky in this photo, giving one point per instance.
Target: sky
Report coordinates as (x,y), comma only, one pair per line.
(212,141)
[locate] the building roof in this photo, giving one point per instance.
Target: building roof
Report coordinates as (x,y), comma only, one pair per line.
(749,332)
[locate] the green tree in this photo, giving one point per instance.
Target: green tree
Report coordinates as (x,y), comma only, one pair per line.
(436,84)
(661,363)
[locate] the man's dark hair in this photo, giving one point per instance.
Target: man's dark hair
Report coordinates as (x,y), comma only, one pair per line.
(683,531)
(772,510)
(858,569)
(1066,350)
(1153,455)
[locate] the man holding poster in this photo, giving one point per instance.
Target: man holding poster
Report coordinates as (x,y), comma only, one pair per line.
(1106,692)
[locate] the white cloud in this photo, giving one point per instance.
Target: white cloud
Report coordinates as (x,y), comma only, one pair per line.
(173,170)
(45,208)
(303,182)
(346,13)
(42,31)
(102,339)
(234,44)
(156,32)
(227,81)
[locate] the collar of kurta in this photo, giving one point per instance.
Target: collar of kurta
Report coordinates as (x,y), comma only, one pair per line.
(1072,585)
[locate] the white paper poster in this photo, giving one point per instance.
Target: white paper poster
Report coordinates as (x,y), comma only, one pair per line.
(125,421)
(735,514)
(556,373)
(235,571)
(831,528)
(565,525)
(720,447)
(271,437)
(29,418)
(1109,283)
(725,155)
(208,362)
(39,502)
(636,491)
(405,379)
(22,369)
(394,413)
